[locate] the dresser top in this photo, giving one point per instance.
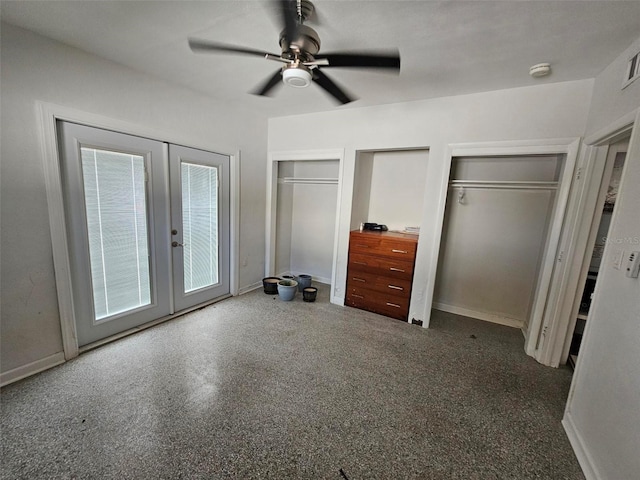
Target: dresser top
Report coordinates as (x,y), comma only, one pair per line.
(388,234)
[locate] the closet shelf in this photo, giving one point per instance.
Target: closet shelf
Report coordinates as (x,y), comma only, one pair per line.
(319,181)
(520,185)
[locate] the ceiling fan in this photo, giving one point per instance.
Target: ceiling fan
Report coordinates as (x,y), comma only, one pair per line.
(300,45)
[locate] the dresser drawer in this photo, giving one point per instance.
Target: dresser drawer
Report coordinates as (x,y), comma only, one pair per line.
(397,247)
(376,302)
(388,267)
(391,286)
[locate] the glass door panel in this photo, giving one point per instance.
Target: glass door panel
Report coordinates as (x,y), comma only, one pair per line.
(200,219)
(116,207)
(199,225)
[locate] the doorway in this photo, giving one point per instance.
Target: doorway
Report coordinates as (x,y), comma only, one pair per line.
(307,199)
(598,238)
(147,226)
(303,205)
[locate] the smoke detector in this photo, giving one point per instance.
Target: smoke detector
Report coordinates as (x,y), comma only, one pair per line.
(540,70)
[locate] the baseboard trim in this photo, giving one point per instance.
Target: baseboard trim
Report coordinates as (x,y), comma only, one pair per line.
(250,288)
(32,368)
(487,317)
(322,280)
(314,277)
(579,448)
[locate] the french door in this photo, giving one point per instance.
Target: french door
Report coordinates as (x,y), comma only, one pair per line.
(147,227)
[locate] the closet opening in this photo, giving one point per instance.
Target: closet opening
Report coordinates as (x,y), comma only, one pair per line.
(388,190)
(496,236)
(302,214)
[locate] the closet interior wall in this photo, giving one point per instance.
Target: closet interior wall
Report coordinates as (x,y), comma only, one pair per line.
(389,188)
(495,234)
(306,217)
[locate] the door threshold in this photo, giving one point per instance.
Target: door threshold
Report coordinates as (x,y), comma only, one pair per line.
(126,333)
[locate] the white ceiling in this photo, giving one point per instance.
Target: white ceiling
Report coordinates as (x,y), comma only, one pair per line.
(446,47)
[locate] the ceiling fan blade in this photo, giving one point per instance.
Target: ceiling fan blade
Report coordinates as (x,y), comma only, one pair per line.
(208,46)
(387,60)
(289,10)
(333,89)
(267,86)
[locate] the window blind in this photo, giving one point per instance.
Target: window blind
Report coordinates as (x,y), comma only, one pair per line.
(116,209)
(200,225)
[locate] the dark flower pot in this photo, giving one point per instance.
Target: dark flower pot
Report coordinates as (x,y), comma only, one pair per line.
(309,294)
(270,285)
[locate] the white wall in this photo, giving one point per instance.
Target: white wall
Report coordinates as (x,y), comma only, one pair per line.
(491,253)
(609,102)
(37,69)
(363,171)
(541,112)
(603,414)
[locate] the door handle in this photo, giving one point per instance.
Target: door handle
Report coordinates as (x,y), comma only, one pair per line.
(176,244)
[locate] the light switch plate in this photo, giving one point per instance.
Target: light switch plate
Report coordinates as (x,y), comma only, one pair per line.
(633,265)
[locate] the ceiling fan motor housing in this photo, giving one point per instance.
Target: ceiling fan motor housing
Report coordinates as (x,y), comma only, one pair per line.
(307,42)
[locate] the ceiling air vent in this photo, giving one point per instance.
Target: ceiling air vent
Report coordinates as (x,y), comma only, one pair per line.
(633,70)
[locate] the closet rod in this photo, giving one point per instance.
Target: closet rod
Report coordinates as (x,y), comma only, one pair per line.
(504,184)
(319,181)
(505,187)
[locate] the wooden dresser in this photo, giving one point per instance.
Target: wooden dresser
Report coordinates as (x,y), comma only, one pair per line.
(380,272)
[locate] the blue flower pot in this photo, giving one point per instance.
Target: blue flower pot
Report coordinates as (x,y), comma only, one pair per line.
(287,289)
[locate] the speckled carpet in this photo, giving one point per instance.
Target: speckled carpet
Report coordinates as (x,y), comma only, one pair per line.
(253,387)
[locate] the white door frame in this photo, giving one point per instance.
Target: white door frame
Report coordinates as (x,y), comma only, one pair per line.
(48,114)
(562,146)
(272,201)
(575,240)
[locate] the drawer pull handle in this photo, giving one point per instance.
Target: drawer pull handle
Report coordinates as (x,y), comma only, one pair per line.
(360,263)
(362,246)
(356,279)
(399,251)
(395,287)
(357,296)
(393,269)
(393,305)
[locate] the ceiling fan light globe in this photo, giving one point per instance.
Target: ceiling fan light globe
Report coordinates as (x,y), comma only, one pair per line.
(296,77)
